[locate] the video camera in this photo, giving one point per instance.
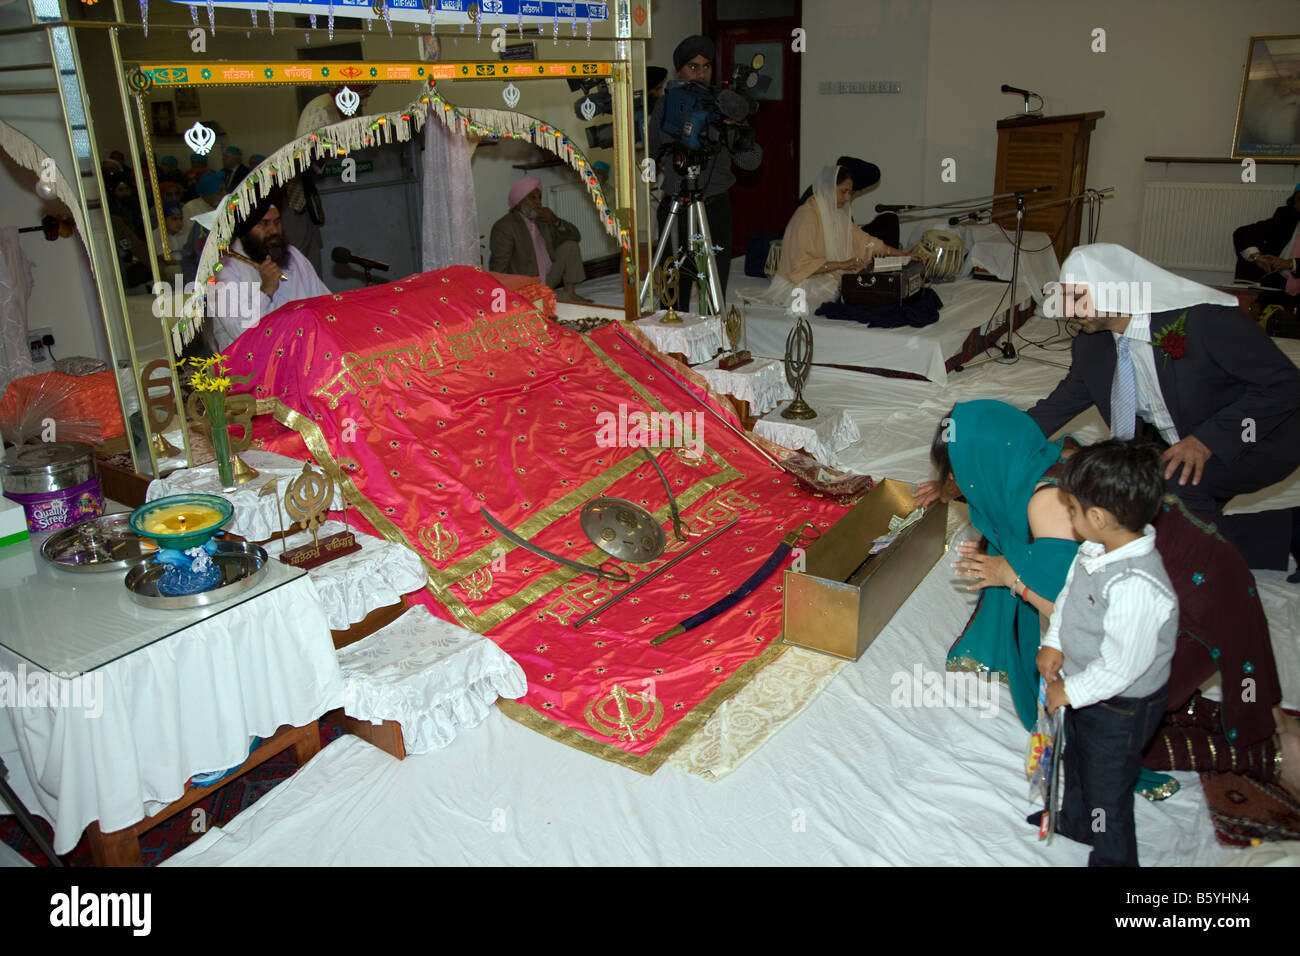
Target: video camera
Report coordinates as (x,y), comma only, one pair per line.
(695,115)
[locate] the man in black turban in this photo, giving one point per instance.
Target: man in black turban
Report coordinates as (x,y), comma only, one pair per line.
(244,293)
(693,60)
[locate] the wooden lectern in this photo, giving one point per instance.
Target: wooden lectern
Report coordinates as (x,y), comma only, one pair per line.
(1051,151)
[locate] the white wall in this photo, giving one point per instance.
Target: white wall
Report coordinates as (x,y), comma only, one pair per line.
(856,41)
(1169,83)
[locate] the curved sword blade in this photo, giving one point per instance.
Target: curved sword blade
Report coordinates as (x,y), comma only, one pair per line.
(618,574)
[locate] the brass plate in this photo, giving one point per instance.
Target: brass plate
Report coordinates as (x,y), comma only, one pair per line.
(623,530)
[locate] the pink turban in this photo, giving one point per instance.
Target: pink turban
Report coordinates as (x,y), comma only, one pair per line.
(522,188)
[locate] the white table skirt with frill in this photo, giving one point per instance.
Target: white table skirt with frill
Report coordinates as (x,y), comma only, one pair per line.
(822,437)
(698,337)
(761,383)
(143,724)
(352,586)
(431,676)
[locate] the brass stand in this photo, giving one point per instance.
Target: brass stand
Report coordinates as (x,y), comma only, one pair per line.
(798,363)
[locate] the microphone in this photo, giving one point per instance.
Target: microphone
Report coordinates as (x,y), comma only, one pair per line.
(733,106)
(345,257)
(885,207)
(1016,89)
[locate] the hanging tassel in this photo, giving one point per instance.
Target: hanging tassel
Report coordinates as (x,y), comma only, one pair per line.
(555,27)
(478,27)
(433,16)
(573,27)
(588,24)
(388,19)
(307,37)
(144,15)
(270,14)
(312,18)
(520,21)
(212,17)
(253,14)
(331,21)
(194,14)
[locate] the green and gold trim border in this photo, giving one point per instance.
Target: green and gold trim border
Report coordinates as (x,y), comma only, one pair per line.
(280,72)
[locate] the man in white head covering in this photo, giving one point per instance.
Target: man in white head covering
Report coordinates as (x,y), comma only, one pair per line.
(1178,362)
(531,240)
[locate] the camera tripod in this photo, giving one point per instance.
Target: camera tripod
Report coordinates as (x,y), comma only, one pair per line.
(691,199)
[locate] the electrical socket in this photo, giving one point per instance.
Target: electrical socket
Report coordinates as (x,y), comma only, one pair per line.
(39,342)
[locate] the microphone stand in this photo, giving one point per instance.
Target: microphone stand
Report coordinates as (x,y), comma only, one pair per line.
(1008,349)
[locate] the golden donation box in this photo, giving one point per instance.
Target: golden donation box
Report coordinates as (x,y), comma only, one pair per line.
(841,601)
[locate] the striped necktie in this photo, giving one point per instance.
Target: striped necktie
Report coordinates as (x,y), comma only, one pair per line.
(1123,392)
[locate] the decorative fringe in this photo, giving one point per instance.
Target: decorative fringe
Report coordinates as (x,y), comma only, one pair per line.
(30,156)
(358,133)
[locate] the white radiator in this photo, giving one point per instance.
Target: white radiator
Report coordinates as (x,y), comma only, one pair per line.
(1189,225)
(572,202)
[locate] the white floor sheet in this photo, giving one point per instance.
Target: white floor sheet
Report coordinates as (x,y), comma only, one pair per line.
(855,779)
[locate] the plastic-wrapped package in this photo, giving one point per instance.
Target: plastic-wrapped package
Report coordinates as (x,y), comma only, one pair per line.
(52,406)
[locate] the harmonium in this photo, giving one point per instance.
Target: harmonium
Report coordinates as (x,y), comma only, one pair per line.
(881,286)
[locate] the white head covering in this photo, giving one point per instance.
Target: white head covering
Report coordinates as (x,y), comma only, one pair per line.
(1120,281)
(837,224)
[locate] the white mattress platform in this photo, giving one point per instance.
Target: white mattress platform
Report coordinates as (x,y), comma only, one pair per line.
(859,777)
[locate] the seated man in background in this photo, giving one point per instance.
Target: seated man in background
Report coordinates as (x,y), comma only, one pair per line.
(211,187)
(244,293)
(1267,253)
(531,240)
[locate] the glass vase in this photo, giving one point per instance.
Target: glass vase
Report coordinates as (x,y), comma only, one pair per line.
(216,403)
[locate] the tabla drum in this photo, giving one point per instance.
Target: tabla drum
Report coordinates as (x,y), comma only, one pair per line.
(944,253)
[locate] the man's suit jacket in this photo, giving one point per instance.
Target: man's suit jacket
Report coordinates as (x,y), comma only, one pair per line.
(1232,371)
(510,244)
(1268,236)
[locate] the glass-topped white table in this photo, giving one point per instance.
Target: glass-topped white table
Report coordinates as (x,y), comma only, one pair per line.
(112,706)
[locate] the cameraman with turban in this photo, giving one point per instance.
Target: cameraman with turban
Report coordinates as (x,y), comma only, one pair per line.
(693,61)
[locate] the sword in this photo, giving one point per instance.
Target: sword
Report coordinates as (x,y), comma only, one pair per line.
(618,574)
(672,499)
(723,605)
(651,576)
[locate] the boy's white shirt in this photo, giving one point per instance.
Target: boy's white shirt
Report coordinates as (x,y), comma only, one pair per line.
(1137,608)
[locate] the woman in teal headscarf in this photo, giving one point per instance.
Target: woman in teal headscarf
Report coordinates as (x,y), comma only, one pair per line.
(996,458)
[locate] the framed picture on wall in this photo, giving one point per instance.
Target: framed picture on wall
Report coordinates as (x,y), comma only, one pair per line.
(163,116)
(1268,113)
(187,101)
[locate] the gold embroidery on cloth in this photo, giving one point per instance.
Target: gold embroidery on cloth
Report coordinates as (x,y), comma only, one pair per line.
(628,722)
(1164,790)
(440,542)
(477,583)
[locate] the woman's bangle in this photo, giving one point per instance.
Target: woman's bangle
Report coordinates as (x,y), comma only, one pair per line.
(1018,588)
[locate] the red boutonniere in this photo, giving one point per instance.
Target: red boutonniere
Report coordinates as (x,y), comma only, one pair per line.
(1173,338)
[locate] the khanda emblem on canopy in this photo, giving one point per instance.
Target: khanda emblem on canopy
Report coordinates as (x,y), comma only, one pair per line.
(440,543)
(477,583)
(200,139)
(625,715)
(347,101)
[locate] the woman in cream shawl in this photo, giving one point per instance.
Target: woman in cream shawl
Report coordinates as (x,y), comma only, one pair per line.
(820,244)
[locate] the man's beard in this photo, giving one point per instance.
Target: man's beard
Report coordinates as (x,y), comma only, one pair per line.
(528,212)
(275,247)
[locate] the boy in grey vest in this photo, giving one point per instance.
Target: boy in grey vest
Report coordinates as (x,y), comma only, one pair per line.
(1113,628)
